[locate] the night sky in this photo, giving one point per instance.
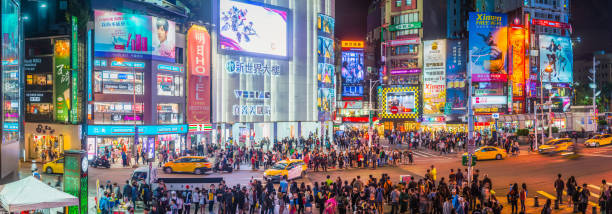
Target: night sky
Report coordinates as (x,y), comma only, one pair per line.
(591,21)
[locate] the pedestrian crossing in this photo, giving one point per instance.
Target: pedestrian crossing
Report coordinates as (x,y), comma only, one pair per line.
(593,189)
(428,155)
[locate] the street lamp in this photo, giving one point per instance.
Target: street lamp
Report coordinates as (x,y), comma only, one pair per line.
(370,131)
(549,71)
(131,65)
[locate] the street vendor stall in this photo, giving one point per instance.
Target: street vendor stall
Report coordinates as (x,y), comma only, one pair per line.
(32,194)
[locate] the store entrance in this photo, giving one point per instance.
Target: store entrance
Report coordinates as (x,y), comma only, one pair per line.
(45,148)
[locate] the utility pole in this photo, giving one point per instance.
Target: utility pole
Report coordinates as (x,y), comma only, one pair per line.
(594,87)
(470,120)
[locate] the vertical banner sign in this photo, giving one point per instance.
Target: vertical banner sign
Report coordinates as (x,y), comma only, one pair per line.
(517,45)
(488,45)
(61,56)
(325,68)
(434,77)
(198,66)
(89,66)
(72,177)
(456,90)
(74,90)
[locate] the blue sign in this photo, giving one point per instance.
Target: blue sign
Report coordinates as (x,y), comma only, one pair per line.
(142,130)
(11,127)
(128,64)
(170,68)
(89,68)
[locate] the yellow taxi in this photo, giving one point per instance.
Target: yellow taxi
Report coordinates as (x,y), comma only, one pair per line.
(56,166)
(599,140)
(489,153)
(188,164)
(556,145)
(281,169)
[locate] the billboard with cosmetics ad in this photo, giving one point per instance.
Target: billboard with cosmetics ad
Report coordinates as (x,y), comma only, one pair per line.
(198,67)
(434,77)
(399,102)
(488,46)
(134,36)
(352,72)
(456,76)
(556,54)
(254,28)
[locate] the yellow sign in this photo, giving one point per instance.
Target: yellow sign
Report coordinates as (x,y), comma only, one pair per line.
(352,44)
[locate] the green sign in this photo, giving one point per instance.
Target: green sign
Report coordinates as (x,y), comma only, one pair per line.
(74,115)
(61,56)
(72,179)
(406,26)
(464,160)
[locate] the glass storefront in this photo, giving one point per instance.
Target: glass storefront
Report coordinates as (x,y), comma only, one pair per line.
(10,71)
(168,113)
(170,85)
(118,82)
(117,113)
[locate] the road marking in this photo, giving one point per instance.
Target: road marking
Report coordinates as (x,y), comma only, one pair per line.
(594,187)
(598,155)
(549,196)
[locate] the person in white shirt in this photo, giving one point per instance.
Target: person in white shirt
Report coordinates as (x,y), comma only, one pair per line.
(195,198)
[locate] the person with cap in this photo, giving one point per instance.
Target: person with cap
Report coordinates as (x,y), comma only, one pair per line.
(187,195)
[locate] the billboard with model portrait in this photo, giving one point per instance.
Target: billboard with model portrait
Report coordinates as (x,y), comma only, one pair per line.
(255,28)
(488,46)
(134,36)
(556,54)
(352,70)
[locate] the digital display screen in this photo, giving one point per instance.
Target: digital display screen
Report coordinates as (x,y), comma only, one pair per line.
(134,36)
(352,72)
(254,28)
(403,101)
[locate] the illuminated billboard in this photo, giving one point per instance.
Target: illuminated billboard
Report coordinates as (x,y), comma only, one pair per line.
(434,79)
(254,28)
(456,75)
(325,67)
(517,45)
(134,36)
(352,73)
(556,58)
(399,102)
(198,67)
(488,46)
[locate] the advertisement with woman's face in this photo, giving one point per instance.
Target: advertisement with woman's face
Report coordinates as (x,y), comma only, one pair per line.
(163,37)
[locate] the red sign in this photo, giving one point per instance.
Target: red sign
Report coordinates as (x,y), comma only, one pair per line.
(408,41)
(198,67)
(551,23)
(358,119)
(394,109)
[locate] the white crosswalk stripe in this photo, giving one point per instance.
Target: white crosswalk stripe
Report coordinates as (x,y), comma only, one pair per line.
(426,154)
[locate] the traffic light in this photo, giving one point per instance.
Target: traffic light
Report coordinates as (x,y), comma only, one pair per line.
(464,160)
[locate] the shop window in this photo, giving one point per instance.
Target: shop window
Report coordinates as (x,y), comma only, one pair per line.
(405,49)
(398,3)
(39,81)
(168,113)
(118,82)
(170,85)
(117,113)
(39,112)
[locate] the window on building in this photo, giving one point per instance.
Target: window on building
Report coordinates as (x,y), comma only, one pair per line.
(118,82)
(39,112)
(398,3)
(405,49)
(179,55)
(168,113)
(170,85)
(117,113)
(409,3)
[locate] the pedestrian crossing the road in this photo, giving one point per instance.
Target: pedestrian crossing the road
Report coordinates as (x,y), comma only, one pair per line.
(593,189)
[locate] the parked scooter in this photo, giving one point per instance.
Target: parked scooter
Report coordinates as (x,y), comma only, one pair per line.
(100,162)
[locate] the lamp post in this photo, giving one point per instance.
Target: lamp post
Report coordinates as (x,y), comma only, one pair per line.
(549,71)
(370,108)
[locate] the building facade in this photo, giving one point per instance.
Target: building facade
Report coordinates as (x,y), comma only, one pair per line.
(266,88)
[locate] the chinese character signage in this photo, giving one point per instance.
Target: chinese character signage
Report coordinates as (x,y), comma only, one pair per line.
(517,76)
(198,65)
(488,45)
(406,26)
(352,44)
(74,86)
(62,76)
(434,77)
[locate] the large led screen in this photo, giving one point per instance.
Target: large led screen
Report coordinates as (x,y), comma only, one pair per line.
(254,28)
(434,79)
(399,102)
(456,90)
(134,36)
(488,43)
(352,71)
(517,42)
(556,55)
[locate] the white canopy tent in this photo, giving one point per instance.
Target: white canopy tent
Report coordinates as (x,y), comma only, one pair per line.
(32,194)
